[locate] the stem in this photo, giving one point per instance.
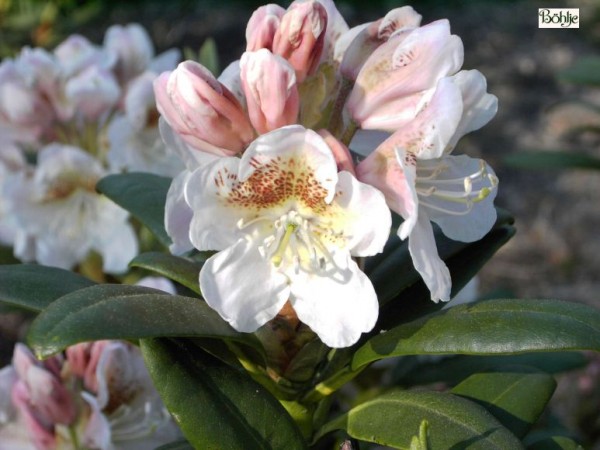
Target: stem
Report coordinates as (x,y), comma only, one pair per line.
(74,439)
(349,133)
(332,384)
(336,121)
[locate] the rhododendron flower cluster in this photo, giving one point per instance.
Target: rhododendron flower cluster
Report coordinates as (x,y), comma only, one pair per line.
(270,182)
(68,118)
(98,395)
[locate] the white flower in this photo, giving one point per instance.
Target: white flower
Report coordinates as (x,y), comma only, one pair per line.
(59,206)
(422,182)
(287,225)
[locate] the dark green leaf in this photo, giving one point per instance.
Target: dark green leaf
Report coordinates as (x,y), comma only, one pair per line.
(584,71)
(464,262)
(453,369)
(179,445)
(176,268)
(7,256)
(392,271)
(34,287)
(143,195)
(453,422)
(555,443)
(516,397)
(490,327)
(214,403)
(125,312)
(545,159)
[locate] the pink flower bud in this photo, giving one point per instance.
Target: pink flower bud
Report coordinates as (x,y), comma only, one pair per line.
(262,26)
(78,358)
(269,84)
(300,37)
(407,64)
(201,110)
(23,359)
(49,397)
(342,155)
(373,35)
(41,433)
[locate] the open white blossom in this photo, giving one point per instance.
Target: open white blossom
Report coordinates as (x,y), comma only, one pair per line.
(287,225)
(58,205)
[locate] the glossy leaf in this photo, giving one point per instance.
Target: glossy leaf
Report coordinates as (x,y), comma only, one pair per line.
(413,370)
(143,195)
(490,327)
(555,443)
(33,287)
(216,404)
(544,159)
(463,261)
(453,422)
(178,269)
(515,397)
(124,312)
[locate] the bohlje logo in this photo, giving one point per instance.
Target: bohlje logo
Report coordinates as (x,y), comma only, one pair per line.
(558,18)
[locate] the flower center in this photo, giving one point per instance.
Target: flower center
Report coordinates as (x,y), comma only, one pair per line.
(465,191)
(295,240)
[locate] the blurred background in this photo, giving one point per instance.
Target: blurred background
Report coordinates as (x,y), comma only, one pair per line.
(544,143)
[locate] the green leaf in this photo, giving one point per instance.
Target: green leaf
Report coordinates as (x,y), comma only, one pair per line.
(176,268)
(7,256)
(33,287)
(490,327)
(546,159)
(179,445)
(143,195)
(584,71)
(208,56)
(453,369)
(125,312)
(515,397)
(453,422)
(214,403)
(555,443)
(463,261)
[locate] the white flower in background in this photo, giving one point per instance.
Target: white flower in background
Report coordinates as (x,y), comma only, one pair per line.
(59,206)
(423,182)
(100,394)
(286,225)
(133,137)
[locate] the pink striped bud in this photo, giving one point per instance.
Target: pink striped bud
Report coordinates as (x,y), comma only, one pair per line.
(262,26)
(201,110)
(401,68)
(301,36)
(41,433)
(374,34)
(269,84)
(49,397)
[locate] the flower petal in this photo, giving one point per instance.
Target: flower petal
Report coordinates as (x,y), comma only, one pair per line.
(206,192)
(480,219)
(367,217)
(178,215)
(337,308)
(303,151)
(426,260)
(241,285)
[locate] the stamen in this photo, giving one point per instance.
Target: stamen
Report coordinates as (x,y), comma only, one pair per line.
(277,257)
